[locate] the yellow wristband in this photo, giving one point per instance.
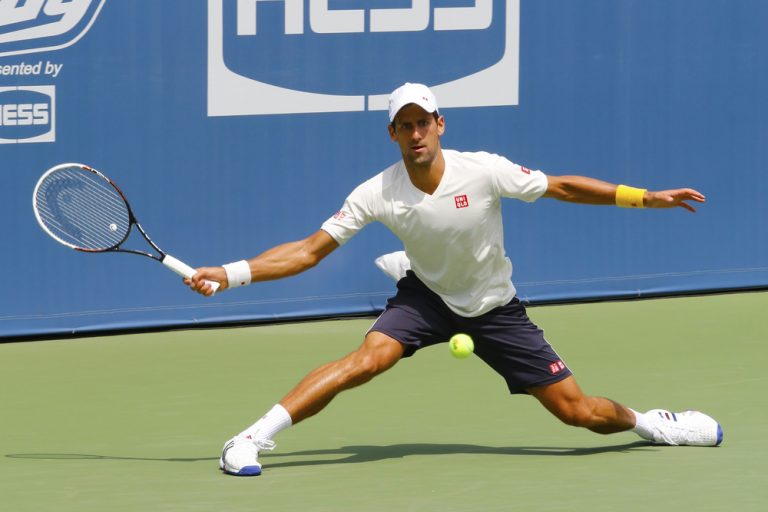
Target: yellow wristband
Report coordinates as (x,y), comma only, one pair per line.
(630,197)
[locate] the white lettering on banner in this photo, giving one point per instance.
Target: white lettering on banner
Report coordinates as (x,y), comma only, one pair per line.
(324,20)
(15,114)
(15,11)
(233,94)
(22,68)
(48,19)
(402,20)
(336,21)
(24,114)
(246,16)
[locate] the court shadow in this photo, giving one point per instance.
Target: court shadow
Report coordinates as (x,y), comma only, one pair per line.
(370,453)
(366,453)
(86,456)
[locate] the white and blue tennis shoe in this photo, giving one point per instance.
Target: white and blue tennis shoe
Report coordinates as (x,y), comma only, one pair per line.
(240,456)
(688,428)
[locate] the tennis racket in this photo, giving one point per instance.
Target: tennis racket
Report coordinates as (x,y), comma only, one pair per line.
(83,209)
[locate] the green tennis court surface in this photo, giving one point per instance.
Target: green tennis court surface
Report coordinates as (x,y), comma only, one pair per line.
(136,422)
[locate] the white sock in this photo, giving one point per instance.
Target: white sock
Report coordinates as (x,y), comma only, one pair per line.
(642,426)
(269,425)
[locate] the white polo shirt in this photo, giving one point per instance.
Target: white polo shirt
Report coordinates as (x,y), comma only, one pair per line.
(453,238)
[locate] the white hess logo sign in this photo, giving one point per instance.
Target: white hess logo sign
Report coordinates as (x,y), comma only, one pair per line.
(28,26)
(323,20)
(231,93)
(27,114)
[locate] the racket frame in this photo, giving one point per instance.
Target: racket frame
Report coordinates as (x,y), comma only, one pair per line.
(132,221)
(169,261)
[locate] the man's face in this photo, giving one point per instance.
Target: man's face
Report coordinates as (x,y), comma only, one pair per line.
(417,132)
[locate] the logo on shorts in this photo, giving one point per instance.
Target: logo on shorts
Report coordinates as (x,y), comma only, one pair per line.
(556,367)
(461,201)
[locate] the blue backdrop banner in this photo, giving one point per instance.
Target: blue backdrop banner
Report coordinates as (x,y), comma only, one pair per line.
(233,126)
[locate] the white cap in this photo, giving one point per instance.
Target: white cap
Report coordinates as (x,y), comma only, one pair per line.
(411,93)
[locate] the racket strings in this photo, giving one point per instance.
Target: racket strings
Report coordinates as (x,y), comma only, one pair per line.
(82,209)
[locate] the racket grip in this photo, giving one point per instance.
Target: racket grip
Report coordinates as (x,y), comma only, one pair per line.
(185,270)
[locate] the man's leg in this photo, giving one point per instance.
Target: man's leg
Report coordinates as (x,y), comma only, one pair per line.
(565,400)
(377,354)
(568,403)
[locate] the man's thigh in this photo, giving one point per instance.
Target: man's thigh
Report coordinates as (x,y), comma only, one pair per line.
(507,340)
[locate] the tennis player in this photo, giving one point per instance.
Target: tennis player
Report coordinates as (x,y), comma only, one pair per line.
(453,276)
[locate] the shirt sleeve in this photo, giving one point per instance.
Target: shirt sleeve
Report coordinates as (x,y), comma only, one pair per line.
(517,182)
(353,216)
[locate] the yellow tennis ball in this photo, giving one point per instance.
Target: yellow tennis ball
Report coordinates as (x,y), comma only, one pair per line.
(461,345)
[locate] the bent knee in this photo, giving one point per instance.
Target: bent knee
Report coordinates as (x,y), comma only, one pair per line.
(363,365)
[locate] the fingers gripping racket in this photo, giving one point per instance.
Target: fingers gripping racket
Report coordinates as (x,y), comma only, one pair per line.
(83,209)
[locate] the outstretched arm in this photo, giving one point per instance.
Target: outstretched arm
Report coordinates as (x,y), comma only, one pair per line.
(580,189)
(281,261)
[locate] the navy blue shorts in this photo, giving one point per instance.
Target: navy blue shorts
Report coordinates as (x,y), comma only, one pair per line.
(505,338)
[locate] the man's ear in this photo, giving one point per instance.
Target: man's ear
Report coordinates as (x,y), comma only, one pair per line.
(392,133)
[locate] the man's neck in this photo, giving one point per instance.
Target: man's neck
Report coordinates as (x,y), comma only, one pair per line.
(427,178)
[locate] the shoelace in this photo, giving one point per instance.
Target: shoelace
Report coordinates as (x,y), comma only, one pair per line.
(660,436)
(265,444)
(677,428)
